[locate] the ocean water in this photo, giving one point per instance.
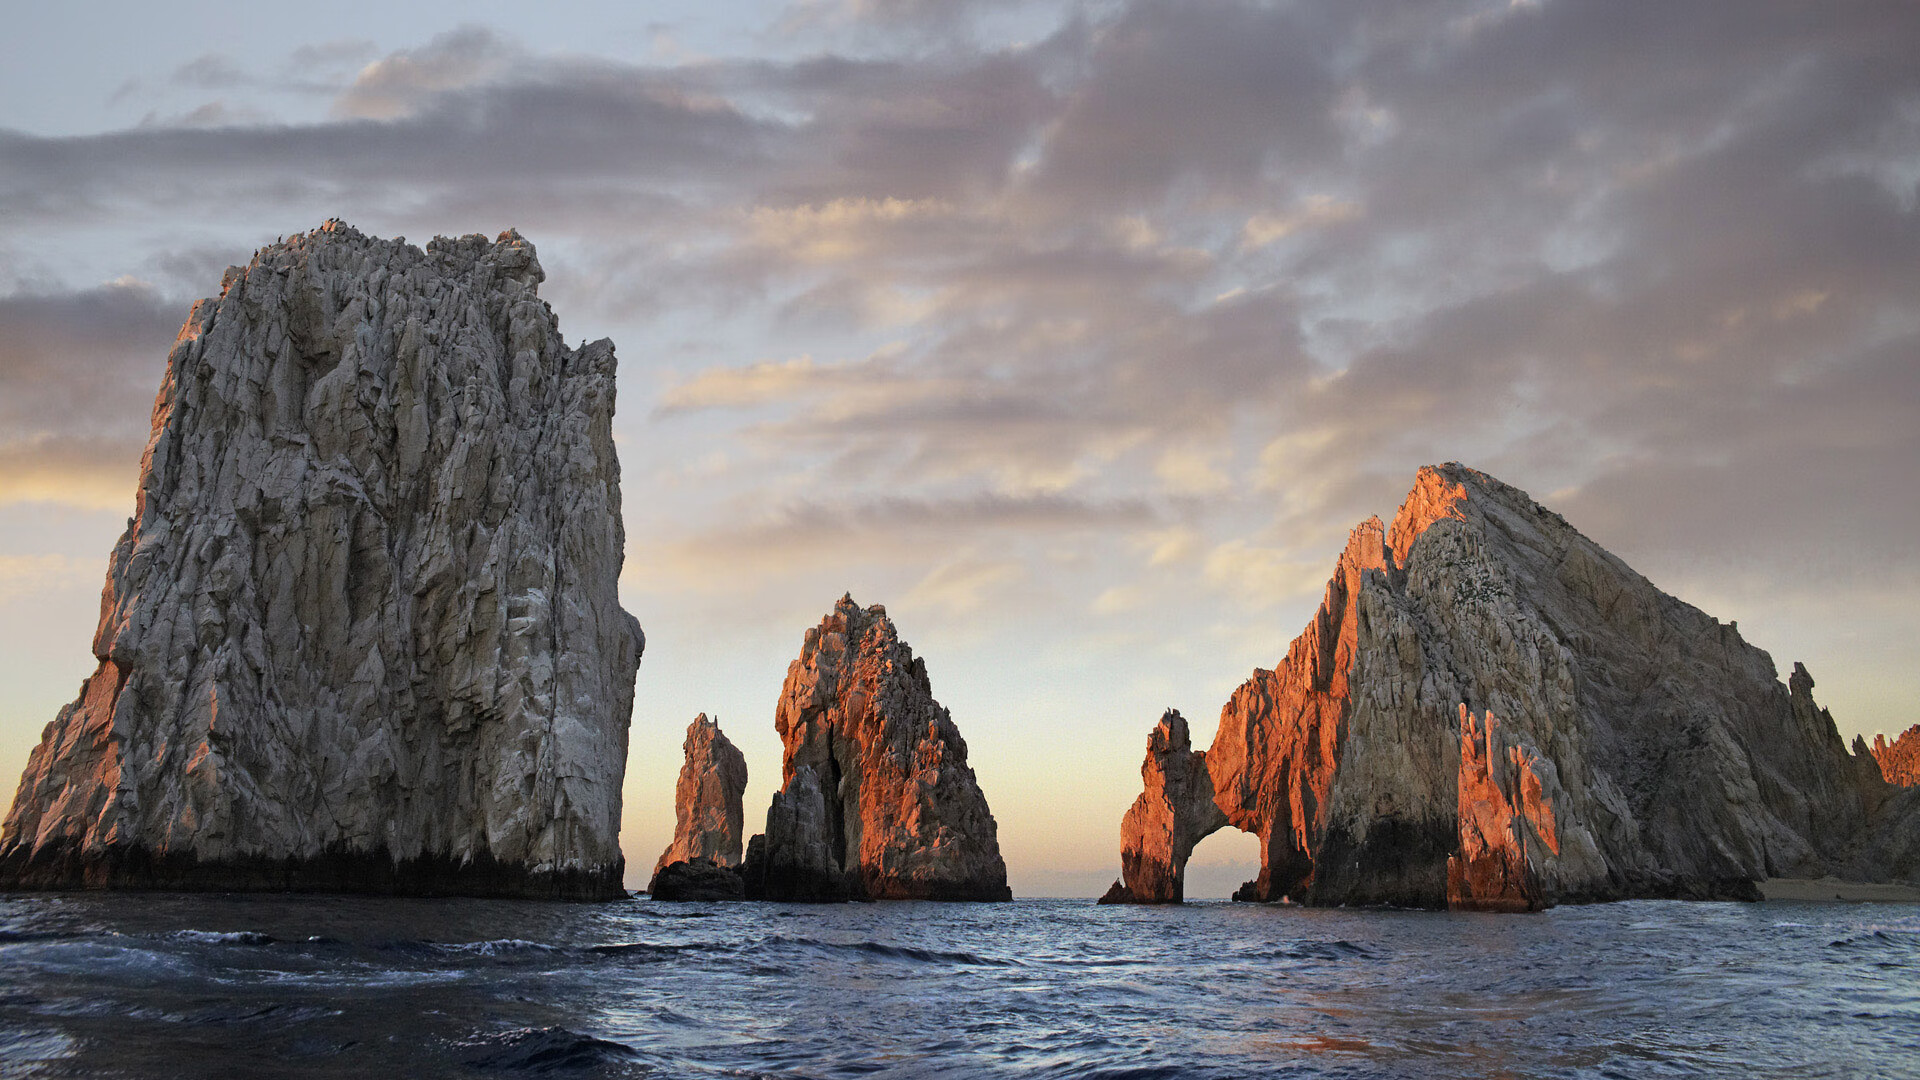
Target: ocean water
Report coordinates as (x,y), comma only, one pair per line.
(170,985)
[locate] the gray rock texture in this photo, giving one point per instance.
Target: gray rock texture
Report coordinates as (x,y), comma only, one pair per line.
(362,631)
(1491,711)
(877,800)
(708,811)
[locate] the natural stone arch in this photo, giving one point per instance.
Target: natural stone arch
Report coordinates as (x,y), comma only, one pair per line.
(1175,811)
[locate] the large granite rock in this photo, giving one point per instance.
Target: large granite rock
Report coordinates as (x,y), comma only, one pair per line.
(1491,711)
(362,632)
(707,807)
(877,801)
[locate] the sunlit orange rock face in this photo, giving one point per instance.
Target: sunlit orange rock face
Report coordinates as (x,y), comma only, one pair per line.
(1899,760)
(707,804)
(1274,757)
(1503,811)
(1174,812)
(1490,711)
(877,800)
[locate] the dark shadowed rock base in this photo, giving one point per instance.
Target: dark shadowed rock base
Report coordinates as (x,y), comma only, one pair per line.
(62,868)
(697,879)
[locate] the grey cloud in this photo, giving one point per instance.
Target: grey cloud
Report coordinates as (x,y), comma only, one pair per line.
(402,83)
(78,373)
(210,72)
(1612,248)
(1208,94)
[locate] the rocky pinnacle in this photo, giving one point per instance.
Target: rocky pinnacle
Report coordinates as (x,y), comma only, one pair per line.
(877,800)
(362,631)
(708,813)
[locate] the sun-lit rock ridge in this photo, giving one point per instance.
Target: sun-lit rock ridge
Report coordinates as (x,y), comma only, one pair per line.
(1899,760)
(1491,711)
(877,800)
(708,820)
(362,631)
(707,805)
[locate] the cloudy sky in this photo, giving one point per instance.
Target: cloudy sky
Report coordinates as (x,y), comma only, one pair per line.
(1078,334)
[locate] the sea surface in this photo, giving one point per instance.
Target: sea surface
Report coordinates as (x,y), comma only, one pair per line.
(171,985)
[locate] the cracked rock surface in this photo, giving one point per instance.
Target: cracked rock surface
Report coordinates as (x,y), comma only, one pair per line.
(362,631)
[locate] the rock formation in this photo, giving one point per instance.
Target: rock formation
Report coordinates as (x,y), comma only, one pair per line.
(708,814)
(1899,760)
(362,631)
(1491,711)
(708,818)
(1174,812)
(697,879)
(877,801)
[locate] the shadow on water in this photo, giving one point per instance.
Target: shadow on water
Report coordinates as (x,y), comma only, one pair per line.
(199,985)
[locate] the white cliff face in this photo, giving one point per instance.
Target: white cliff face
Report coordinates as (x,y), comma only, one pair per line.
(362,630)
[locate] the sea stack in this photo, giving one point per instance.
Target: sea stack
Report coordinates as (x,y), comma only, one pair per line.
(708,818)
(362,632)
(1174,812)
(1490,711)
(877,801)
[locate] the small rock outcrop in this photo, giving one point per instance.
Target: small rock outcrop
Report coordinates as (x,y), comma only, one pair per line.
(697,879)
(1490,711)
(1899,760)
(1174,812)
(707,807)
(363,631)
(877,801)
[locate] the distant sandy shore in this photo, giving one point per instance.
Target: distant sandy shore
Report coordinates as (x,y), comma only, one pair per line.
(1833,890)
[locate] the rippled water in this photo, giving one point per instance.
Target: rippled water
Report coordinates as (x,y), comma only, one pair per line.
(176,985)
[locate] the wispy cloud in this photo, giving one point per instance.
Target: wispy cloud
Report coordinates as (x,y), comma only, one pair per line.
(1214,277)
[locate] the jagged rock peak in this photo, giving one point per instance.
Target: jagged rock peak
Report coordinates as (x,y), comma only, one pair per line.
(362,631)
(708,814)
(877,800)
(1172,814)
(1899,760)
(1489,710)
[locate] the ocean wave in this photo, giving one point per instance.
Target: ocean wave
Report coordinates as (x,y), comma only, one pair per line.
(545,1050)
(1879,938)
(1314,950)
(223,937)
(889,952)
(498,947)
(641,951)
